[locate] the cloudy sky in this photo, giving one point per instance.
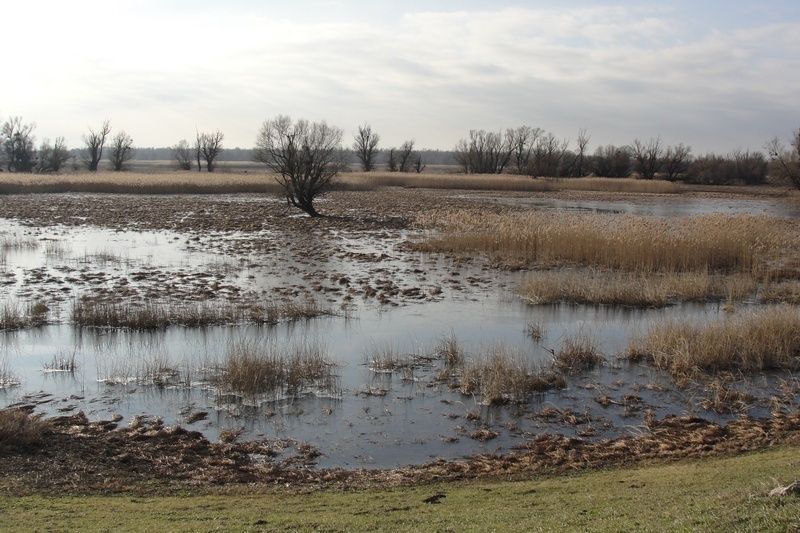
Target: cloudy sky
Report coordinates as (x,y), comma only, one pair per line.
(714,74)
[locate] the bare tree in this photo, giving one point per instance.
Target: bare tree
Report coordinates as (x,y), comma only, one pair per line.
(182,154)
(304,155)
(365,146)
(121,150)
(786,160)
(647,157)
(612,161)
(419,166)
(547,156)
(18,145)
(53,157)
(675,162)
(95,142)
(485,152)
(579,162)
(198,150)
(404,159)
(391,161)
(211,147)
(522,141)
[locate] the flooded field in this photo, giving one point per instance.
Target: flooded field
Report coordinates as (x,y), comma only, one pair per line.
(380,315)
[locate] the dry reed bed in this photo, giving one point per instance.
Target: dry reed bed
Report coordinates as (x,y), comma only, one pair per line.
(591,286)
(508,182)
(162,183)
(250,369)
(755,340)
(710,243)
(263,182)
(14,315)
(501,375)
(18,429)
(90,313)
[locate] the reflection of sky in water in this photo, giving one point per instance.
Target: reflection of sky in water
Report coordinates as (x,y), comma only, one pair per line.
(405,426)
(662,206)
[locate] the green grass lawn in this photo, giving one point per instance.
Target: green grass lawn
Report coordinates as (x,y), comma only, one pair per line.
(727,494)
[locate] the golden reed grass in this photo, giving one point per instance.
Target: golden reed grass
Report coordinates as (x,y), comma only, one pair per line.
(591,286)
(749,341)
(625,242)
(263,182)
(510,182)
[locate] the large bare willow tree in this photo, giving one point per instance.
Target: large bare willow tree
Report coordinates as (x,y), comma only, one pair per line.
(95,141)
(305,155)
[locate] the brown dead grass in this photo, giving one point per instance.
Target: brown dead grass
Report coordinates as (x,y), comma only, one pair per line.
(507,182)
(633,243)
(749,341)
(19,429)
(591,286)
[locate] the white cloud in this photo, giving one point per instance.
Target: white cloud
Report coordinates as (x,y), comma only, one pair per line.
(621,72)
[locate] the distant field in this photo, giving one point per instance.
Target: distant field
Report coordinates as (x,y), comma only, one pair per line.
(721,494)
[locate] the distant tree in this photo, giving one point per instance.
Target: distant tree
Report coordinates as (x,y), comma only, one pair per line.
(419,166)
(522,141)
(675,162)
(612,161)
(548,156)
(304,155)
(786,161)
(121,150)
(647,157)
(579,167)
(391,161)
(95,141)
(18,145)
(53,157)
(211,147)
(405,156)
(182,154)
(365,146)
(198,151)
(485,152)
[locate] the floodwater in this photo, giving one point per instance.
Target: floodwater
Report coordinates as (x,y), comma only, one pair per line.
(414,419)
(664,206)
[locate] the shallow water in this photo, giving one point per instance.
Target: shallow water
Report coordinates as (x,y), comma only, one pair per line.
(414,422)
(418,418)
(665,206)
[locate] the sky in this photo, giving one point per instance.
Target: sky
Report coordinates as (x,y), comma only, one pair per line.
(716,75)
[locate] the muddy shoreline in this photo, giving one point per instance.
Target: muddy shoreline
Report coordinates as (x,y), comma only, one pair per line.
(76,456)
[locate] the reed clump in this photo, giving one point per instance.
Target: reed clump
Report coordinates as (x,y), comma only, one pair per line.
(502,375)
(93,313)
(740,243)
(62,362)
(14,315)
(748,341)
(251,369)
(19,429)
(576,354)
(591,286)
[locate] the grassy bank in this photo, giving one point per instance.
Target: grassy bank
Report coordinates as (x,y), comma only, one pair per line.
(723,494)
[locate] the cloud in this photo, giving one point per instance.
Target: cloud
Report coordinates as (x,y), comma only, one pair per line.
(432,75)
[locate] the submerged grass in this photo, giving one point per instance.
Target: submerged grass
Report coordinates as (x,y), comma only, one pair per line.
(748,341)
(632,243)
(503,375)
(251,369)
(14,315)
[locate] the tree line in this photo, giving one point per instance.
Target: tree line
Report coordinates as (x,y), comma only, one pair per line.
(305,156)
